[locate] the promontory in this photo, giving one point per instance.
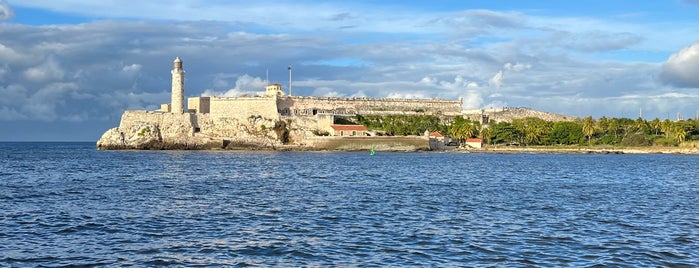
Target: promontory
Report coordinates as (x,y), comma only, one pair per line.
(274,120)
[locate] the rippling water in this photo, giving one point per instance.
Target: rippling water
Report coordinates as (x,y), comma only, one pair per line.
(68,204)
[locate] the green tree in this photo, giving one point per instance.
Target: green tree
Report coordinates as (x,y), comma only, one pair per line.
(485,134)
(656,125)
(613,127)
(505,132)
(588,128)
(680,133)
(666,127)
(641,125)
(603,125)
(566,133)
(534,130)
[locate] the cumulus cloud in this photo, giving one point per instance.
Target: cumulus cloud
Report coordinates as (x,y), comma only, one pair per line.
(7,54)
(682,68)
(327,92)
(244,85)
(6,12)
(49,70)
(496,80)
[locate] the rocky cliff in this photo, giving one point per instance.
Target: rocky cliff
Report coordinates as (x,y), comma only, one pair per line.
(153,130)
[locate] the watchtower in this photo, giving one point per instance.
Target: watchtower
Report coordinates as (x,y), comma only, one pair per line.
(177,102)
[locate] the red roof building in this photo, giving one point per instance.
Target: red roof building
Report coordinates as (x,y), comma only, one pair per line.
(436,134)
(474,142)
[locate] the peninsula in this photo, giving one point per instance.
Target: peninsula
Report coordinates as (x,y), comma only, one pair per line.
(275,121)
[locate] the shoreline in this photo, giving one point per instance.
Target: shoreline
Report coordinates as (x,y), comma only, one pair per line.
(583,150)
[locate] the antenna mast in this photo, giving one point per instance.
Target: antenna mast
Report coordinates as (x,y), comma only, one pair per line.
(289,80)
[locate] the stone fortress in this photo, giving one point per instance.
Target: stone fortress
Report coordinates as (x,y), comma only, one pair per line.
(272,121)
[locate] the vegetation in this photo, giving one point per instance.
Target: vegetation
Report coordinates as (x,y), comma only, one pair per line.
(282,131)
(402,125)
(590,131)
(535,131)
(143,131)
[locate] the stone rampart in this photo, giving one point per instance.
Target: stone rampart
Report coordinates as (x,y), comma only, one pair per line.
(244,107)
(313,105)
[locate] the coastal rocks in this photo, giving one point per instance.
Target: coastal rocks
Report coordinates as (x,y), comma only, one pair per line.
(152,130)
(149,130)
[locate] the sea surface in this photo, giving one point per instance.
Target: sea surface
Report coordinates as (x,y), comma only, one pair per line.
(67,204)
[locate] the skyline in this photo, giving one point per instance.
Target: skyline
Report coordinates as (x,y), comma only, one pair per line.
(68,70)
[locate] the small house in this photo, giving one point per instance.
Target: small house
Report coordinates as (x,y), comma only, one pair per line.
(474,142)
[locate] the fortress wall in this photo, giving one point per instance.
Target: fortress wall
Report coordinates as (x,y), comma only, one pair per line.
(312,105)
(199,105)
(244,107)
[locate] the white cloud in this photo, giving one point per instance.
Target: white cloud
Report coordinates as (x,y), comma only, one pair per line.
(327,92)
(496,80)
(473,96)
(517,67)
(49,70)
(244,85)
(407,95)
(7,54)
(6,12)
(682,68)
(132,68)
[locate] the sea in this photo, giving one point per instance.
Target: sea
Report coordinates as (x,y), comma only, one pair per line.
(70,205)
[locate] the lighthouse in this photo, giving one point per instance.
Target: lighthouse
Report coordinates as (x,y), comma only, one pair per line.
(177,102)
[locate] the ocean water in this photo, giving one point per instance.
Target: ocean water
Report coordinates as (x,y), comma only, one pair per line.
(67,204)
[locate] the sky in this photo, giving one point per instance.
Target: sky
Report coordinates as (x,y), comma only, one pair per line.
(68,69)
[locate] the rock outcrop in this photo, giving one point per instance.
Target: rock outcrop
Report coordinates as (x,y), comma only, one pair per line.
(155,131)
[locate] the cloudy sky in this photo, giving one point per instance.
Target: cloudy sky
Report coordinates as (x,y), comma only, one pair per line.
(69,68)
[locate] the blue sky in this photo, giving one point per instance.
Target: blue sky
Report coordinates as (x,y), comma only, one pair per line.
(69,68)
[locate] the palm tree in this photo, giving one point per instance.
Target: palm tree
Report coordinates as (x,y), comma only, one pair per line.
(603,124)
(680,133)
(641,125)
(613,127)
(485,134)
(656,125)
(588,128)
(667,127)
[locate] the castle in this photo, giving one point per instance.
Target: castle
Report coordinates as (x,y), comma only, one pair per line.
(253,120)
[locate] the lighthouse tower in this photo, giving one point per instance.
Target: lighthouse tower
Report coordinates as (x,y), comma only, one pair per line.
(177,103)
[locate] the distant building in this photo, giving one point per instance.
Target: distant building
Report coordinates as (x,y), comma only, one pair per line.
(474,142)
(438,141)
(349,130)
(274,90)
